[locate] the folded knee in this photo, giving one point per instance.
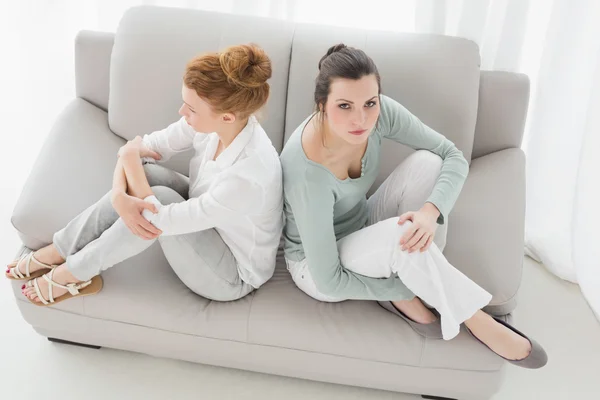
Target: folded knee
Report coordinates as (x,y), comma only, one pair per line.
(149,166)
(166,195)
(424,169)
(428,159)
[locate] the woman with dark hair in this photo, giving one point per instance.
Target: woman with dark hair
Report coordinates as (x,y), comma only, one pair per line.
(339,245)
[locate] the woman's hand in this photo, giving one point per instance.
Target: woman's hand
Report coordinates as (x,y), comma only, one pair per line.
(422,231)
(130,210)
(137,146)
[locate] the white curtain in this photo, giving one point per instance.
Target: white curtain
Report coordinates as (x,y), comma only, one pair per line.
(564,130)
(555,42)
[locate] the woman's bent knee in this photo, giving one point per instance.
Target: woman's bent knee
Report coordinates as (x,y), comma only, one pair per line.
(428,157)
(428,162)
(424,168)
(166,195)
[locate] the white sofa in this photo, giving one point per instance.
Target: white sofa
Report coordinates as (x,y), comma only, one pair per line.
(128,84)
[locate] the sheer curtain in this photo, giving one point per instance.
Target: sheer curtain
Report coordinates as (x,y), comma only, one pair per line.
(555,42)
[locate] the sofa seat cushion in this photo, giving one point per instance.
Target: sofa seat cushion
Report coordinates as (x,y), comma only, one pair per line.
(284,316)
(74,170)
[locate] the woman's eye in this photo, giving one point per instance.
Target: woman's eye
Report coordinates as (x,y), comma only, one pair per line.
(344,106)
(371,104)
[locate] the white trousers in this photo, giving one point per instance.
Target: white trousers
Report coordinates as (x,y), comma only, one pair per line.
(375,250)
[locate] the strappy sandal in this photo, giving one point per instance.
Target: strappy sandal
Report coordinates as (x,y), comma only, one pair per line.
(17,275)
(86,288)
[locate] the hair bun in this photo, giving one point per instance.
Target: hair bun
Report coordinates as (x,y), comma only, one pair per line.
(331,50)
(246,65)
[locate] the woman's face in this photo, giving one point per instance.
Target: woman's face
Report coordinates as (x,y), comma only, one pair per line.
(198,113)
(352,108)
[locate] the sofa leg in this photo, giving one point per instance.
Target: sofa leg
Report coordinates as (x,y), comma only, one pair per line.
(91,346)
(435,397)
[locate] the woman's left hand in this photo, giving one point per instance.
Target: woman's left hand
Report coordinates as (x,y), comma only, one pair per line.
(422,231)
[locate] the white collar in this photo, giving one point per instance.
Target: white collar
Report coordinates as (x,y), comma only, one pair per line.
(230,154)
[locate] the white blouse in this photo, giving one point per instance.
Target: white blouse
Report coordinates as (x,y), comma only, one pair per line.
(239,194)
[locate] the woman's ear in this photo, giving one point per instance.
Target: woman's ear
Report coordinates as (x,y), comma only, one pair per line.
(322,109)
(228,118)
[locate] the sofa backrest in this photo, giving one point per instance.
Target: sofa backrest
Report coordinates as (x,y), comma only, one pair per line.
(435,77)
(151,48)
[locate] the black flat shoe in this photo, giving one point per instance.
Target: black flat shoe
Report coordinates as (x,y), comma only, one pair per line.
(537,357)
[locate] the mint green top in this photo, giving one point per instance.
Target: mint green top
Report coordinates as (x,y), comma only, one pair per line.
(320,209)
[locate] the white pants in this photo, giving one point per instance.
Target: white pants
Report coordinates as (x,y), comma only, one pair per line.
(98,239)
(375,250)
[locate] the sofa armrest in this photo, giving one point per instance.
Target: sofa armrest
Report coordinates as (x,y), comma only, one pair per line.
(486,227)
(72,171)
(92,66)
(502,110)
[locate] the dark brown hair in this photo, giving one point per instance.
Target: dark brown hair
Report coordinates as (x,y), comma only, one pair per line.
(342,61)
(234,80)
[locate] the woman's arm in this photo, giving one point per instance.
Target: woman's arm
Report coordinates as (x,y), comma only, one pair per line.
(119,179)
(135,177)
(129,176)
(174,139)
(232,196)
(128,207)
(312,207)
(400,125)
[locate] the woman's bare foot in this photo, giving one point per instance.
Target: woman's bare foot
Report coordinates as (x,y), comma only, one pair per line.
(48,255)
(415,310)
(497,337)
(61,276)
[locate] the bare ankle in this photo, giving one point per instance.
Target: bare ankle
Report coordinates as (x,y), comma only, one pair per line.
(63,275)
(416,310)
(407,302)
(477,319)
(50,255)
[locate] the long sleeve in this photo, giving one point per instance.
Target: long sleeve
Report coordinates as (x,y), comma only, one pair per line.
(175,138)
(229,198)
(312,208)
(402,126)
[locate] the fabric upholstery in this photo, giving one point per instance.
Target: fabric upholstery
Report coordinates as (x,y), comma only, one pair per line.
(278,329)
